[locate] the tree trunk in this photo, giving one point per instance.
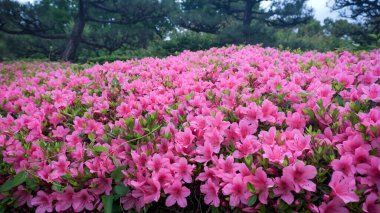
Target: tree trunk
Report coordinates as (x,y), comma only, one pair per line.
(247,20)
(76,34)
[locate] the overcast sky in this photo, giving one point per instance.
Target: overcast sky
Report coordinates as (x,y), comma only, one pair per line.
(321,11)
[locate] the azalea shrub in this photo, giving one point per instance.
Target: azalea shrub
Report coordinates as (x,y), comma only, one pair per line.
(228,129)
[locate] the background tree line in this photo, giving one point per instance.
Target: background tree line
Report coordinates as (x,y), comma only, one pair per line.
(106,30)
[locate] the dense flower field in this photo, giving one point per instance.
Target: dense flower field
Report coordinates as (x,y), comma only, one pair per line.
(228,129)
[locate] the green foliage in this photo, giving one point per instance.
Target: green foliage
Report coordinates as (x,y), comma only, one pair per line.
(125,33)
(17,180)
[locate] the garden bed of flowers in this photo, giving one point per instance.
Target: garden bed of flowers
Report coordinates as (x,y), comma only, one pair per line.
(224,130)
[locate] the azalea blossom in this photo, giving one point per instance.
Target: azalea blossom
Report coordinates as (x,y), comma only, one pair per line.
(262,184)
(284,189)
(237,190)
(336,205)
(65,199)
(211,191)
(43,201)
(209,122)
(371,204)
(301,176)
(83,200)
(177,194)
(343,187)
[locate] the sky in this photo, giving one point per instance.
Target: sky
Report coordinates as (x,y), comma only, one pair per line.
(321,11)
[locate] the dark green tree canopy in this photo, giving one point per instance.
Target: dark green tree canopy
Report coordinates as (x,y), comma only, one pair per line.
(105,24)
(213,16)
(366,10)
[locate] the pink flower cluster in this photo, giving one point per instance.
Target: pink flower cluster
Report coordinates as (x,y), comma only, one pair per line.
(237,127)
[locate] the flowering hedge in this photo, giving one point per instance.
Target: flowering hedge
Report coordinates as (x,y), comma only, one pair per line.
(235,128)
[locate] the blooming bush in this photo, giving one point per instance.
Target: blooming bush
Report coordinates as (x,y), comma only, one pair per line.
(242,128)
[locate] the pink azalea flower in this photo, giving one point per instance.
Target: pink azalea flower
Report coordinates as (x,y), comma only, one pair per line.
(296,142)
(372,171)
(343,187)
(102,185)
(334,206)
(123,110)
(296,120)
(158,162)
(361,156)
(253,112)
(284,188)
(73,139)
(183,170)
(269,112)
(163,176)
(368,78)
(301,176)
(129,202)
(151,190)
(276,153)
(83,200)
(65,199)
(44,173)
(22,197)
(55,119)
(269,137)
(345,79)
(217,122)
(344,165)
(204,153)
(209,173)
(371,204)
(247,128)
(325,91)
(225,165)
(237,190)
(60,132)
(184,140)
(371,92)
(248,145)
(178,194)
(214,138)
(262,184)
(210,189)
(349,145)
(59,168)
(43,201)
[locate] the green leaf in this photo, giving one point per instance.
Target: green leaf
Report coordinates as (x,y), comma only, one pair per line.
(278,87)
(373,35)
(286,161)
(117,175)
(189,96)
(248,161)
(107,203)
(309,112)
(214,210)
(320,104)
(31,183)
(99,149)
(335,114)
(57,187)
(91,137)
(374,152)
(17,180)
(121,189)
(130,122)
(252,200)
(374,129)
(251,188)
(271,194)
